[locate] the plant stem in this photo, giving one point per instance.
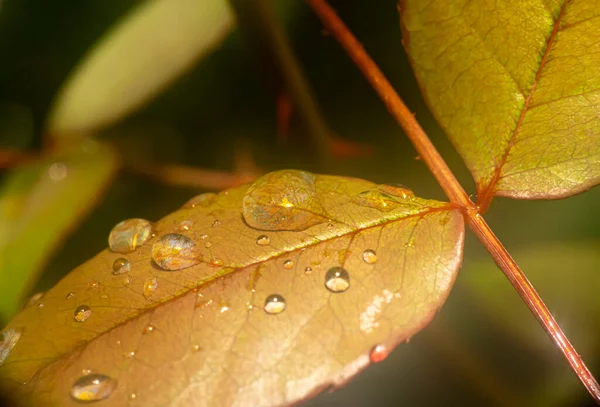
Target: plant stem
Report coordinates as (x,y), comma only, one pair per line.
(454,191)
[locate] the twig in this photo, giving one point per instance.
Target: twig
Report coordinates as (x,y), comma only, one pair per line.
(454,191)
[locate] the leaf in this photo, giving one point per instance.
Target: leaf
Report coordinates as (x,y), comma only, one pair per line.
(138,58)
(39,204)
(252,317)
(566,276)
(516,86)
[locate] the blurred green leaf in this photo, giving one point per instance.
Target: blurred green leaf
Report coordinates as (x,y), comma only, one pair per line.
(135,60)
(39,204)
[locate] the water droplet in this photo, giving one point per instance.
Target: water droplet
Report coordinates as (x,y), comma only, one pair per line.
(224,308)
(263,240)
(288,264)
(33,300)
(274,304)
(57,171)
(86,371)
(93,387)
(196,348)
(283,200)
(8,340)
(132,396)
(70,295)
(216,223)
(397,191)
(93,285)
(337,280)
(127,235)
(208,245)
(410,243)
(203,200)
(148,329)
(369,256)
(215,262)
(129,355)
(185,225)
(150,287)
(82,313)
(308,271)
(204,236)
(121,266)
(379,353)
(127,280)
(175,252)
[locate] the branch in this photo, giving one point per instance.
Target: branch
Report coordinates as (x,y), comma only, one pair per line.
(454,191)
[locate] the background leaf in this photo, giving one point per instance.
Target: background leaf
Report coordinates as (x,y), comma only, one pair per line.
(205,326)
(515,85)
(153,45)
(39,204)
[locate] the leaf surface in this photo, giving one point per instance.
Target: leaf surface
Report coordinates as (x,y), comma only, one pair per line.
(516,86)
(138,58)
(39,204)
(209,331)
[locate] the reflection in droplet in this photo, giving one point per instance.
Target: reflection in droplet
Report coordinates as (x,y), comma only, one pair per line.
(82,313)
(283,200)
(288,264)
(93,387)
(337,280)
(203,200)
(148,329)
(274,304)
(150,287)
(127,235)
(263,240)
(379,353)
(121,266)
(8,340)
(369,256)
(308,271)
(216,223)
(175,252)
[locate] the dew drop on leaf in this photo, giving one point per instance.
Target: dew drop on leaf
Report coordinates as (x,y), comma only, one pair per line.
(202,200)
(263,240)
(8,340)
(127,235)
(337,280)
(274,304)
(70,295)
(93,387)
(283,200)
(33,300)
(121,266)
(148,329)
(185,225)
(379,353)
(82,313)
(216,223)
(175,252)
(288,264)
(369,256)
(150,287)
(196,348)
(215,262)
(308,271)
(398,191)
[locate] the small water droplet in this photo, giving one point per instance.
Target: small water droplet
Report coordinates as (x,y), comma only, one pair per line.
(204,236)
(216,223)
(93,387)
(127,280)
(410,243)
(148,329)
(369,256)
(8,340)
(263,240)
(104,297)
(150,287)
(397,191)
(224,308)
(203,200)
(208,245)
(93,285)
(196,348)
(33,300)
(175,252)
(82,313)
(330,226)
(337,280)
(274,304)
(215,262)
(121,266)
(185,225)
(132,396)
(127,235)
(57,171)
(288,264)
(86,371)
(379,353)
(70,295)
(129,355)
(308,271)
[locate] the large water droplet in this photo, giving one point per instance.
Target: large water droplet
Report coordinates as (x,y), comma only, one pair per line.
(150,287)
(288,264)
(203,200)
(379,353)
(337,280)
(127,235)
(175,252)
(8,340)
(369,256)
(82,313)
(274,304)
(93,387)
(283,200)
(121,266)
(263,240)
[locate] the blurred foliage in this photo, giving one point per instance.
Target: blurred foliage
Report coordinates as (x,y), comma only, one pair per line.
(227,98)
